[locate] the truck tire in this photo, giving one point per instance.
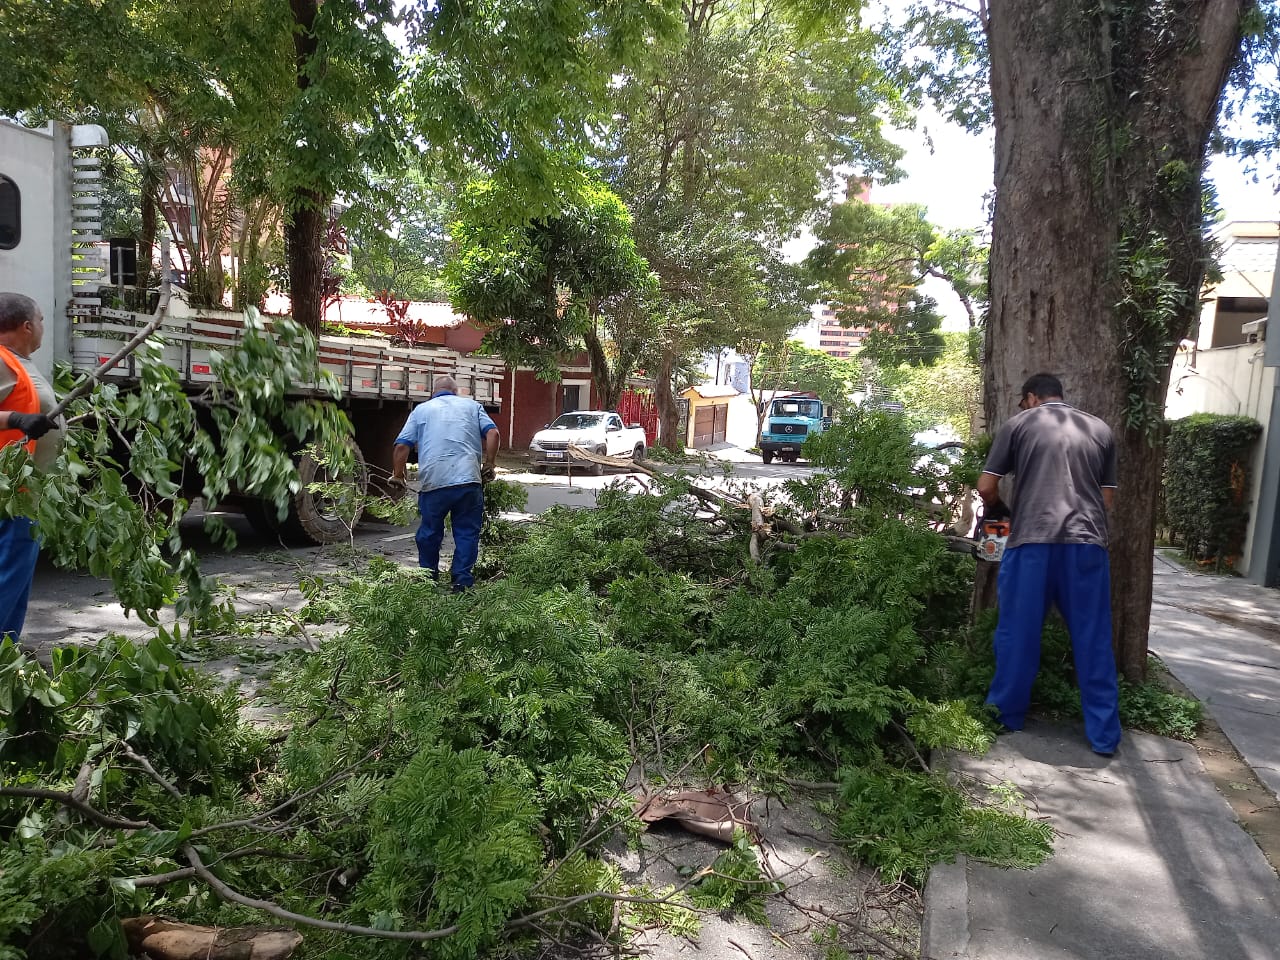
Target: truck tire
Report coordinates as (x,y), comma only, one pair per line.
(767,456)
(262,517)
(597,469)
(638,453)
(318,519)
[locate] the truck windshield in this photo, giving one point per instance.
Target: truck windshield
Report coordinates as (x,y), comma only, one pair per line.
(576,421)
(797,408)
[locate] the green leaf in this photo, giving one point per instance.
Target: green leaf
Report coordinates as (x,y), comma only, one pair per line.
(106,938)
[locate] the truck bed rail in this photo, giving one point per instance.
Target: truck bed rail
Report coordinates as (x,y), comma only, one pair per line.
(365,367)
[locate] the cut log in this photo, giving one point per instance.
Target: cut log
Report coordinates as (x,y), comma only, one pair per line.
(161,939)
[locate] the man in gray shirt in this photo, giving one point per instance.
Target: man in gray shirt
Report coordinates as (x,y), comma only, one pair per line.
(1064,465)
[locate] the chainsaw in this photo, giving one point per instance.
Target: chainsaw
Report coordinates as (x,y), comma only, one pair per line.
(992,533)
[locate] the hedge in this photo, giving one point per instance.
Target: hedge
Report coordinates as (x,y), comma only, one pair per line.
(1206,480)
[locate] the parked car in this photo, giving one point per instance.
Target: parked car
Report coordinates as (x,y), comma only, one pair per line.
(600,431)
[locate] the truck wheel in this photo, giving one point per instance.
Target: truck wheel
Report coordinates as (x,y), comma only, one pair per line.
(262,517)
(327,517)
(767,456)
(597,469)
(638,453)
(538,468)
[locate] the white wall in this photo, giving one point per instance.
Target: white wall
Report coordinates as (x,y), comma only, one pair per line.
(30,158)
(1229,380)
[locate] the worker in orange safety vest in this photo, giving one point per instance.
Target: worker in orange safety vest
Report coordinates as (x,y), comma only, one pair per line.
(26,398)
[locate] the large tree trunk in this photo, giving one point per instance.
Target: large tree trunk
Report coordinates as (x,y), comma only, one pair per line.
(307,212)
(304,241)
(668,410)
(1101,127)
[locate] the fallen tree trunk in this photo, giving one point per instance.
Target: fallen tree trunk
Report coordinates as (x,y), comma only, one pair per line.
(166,940)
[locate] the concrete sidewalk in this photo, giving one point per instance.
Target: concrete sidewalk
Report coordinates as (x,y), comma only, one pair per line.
(1150,861)
(1221,637)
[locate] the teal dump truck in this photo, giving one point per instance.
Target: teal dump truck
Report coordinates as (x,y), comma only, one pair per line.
(790,421)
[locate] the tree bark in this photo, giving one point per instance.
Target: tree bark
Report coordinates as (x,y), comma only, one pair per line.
(304,241)
(609,380)
(306,210)
(160,939)
(1101,126)
(665,399)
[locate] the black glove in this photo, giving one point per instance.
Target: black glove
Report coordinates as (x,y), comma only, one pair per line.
(997,511)
(34,425)
(488,474)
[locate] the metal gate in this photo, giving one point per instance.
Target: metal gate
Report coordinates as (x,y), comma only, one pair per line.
(710,425)
(639,406)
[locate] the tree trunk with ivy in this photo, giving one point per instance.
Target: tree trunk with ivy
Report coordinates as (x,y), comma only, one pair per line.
(1101,126)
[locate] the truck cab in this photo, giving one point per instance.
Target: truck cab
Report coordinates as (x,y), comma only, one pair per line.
(790,421)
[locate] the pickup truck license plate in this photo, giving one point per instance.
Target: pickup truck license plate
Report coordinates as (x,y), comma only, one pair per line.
(788,449)
(555,455)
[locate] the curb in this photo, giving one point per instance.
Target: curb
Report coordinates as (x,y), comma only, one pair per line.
(944,930)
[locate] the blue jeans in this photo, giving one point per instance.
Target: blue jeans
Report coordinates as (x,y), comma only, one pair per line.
(464,505)
(18,552)
(1076,578)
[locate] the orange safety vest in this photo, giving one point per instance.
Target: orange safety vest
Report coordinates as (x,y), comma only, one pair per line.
(22,399)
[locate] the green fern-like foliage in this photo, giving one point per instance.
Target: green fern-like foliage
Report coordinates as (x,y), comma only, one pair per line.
(455,825)
(735,884)
(904,822)
(456,763)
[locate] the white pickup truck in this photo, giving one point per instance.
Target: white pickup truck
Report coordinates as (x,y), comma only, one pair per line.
(599,431)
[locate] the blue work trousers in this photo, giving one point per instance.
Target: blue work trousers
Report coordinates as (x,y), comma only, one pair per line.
(1076,578)
(18,552)
(464,505)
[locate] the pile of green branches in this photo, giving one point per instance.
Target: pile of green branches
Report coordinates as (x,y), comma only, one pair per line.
(452,766)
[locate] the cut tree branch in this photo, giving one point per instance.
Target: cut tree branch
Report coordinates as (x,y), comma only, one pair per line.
(80,806)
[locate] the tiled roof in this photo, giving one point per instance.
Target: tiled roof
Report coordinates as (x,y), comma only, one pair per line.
(355,312)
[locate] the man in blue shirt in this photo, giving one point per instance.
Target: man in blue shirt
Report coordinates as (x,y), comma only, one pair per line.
(457,443)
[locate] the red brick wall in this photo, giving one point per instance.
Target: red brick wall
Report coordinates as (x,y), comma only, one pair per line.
(464,338)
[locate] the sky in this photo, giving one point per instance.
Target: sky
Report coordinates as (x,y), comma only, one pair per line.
(953,180)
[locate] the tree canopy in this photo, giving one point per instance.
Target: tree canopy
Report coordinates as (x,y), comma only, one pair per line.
(793,366)
(538,289)
(320,99)
(870,262)
(724,143)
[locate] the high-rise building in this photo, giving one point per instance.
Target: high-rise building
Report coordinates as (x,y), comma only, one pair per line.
(835,338)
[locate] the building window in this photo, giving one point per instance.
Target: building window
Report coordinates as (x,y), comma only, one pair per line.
(10,214)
